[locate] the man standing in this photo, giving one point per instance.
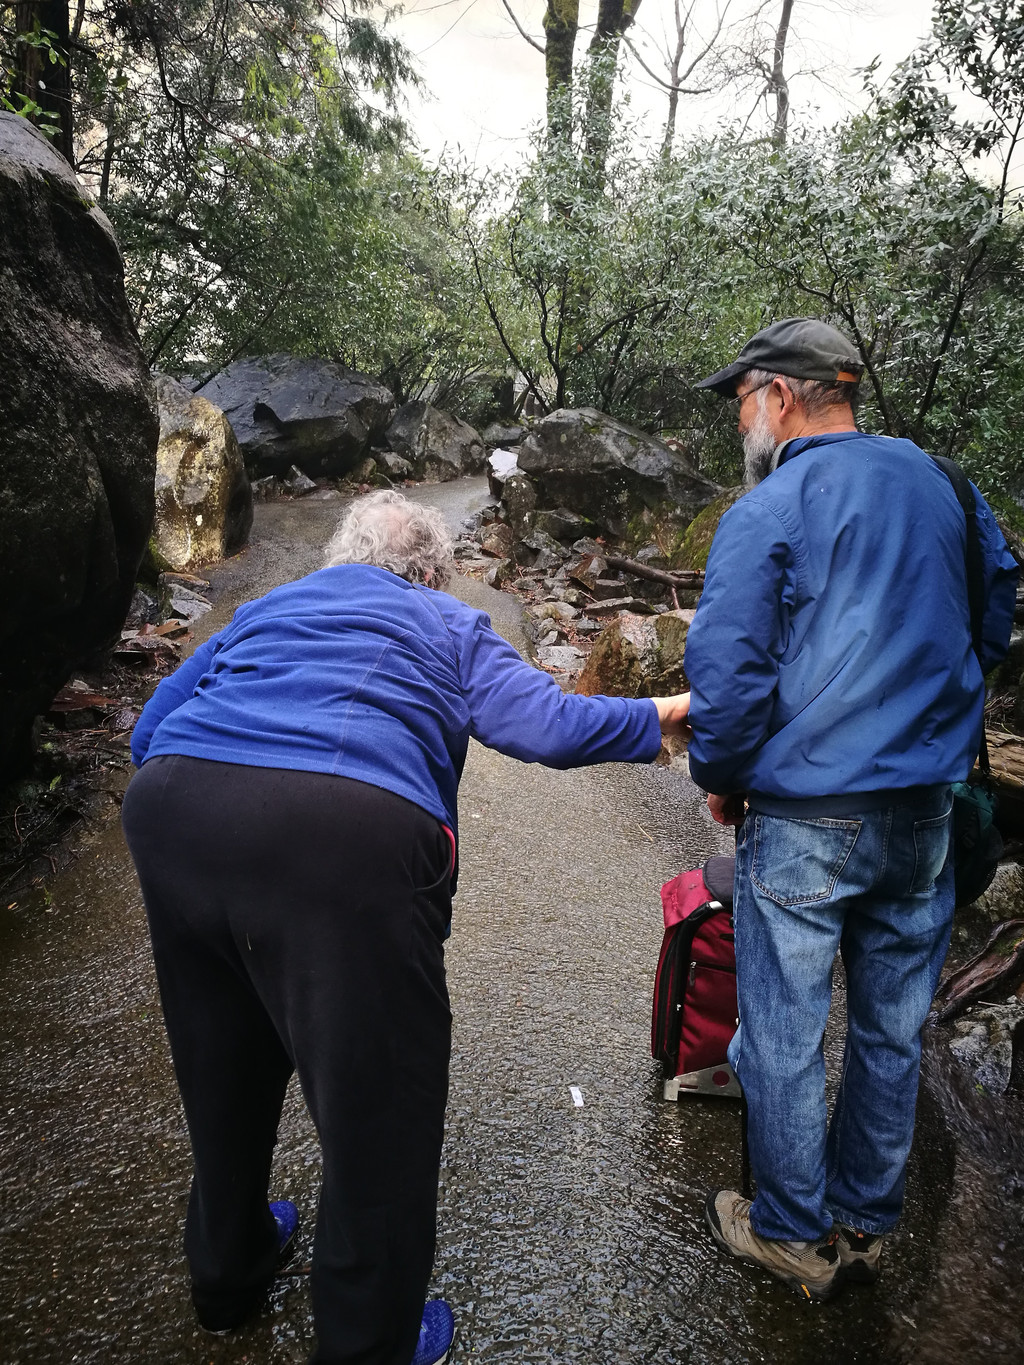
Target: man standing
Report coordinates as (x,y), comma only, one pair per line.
(835,690)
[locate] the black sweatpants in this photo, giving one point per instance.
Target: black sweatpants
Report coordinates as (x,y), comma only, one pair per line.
(298,921)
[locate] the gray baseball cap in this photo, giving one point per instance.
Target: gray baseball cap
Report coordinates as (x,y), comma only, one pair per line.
(804,348)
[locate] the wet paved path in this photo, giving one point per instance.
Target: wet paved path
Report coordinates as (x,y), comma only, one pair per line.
(567,1234)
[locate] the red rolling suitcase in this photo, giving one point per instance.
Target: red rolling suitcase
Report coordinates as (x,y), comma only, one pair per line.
(695,1014)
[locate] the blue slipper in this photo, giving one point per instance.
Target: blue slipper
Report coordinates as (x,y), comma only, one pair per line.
(286,1216)
(436,1334)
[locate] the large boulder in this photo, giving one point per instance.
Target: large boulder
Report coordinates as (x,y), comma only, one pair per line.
(623,480)
(78,437)
(203,494)
(314,414)
(638,656)
(439,446)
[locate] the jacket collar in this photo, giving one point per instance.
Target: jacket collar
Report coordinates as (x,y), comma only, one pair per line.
(796,445)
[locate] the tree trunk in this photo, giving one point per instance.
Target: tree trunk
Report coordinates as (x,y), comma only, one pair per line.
(778,85)
(613,18)
(561,23)
(46,83)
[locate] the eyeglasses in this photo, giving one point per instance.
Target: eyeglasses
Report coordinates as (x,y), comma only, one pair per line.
(737,400)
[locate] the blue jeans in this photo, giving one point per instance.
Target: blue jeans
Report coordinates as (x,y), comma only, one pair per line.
(878,887)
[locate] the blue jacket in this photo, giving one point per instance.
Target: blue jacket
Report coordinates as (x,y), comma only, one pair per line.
(831,651)
(354,671)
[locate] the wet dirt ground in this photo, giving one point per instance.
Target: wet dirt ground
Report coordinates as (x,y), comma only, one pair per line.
(566,1234)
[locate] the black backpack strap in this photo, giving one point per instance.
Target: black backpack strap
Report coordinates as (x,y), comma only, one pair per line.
(974,566)
(681,947)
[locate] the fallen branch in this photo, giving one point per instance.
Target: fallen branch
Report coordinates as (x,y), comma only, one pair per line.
(689,578)
(997,970)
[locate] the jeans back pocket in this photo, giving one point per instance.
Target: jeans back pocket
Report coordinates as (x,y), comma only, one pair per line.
(931,849)
(798,862)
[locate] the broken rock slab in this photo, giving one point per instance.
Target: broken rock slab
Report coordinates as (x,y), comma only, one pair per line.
(637,656)
(566,658)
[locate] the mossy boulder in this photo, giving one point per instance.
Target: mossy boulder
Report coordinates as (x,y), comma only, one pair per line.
(203,496)
(696,543)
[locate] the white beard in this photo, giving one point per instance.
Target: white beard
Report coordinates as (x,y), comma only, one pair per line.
(758,447)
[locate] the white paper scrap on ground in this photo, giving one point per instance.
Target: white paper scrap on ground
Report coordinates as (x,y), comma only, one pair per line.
(577,1096)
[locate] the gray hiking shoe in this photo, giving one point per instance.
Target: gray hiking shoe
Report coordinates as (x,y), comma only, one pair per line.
(808,1267)
(859,1254)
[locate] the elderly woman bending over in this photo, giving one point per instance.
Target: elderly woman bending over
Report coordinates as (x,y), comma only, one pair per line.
(293,824)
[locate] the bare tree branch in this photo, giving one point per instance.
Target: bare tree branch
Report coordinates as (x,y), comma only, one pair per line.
(522,31)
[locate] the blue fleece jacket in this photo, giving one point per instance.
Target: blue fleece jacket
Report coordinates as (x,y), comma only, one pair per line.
(354,671)
(831,651)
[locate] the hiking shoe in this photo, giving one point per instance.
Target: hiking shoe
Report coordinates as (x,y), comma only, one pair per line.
(808,1267)
(859,1254)
(220,1320)
(437,1333)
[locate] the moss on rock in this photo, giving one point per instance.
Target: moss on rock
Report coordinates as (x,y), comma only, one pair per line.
(700,533)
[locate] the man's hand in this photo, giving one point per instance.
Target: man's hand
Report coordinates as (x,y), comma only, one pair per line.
(727,810)
(672,714)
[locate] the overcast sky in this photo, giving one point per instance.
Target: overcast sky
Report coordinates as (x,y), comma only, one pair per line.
(484,84)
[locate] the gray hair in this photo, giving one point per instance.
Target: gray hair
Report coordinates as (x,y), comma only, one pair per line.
(815,396)
(387,530)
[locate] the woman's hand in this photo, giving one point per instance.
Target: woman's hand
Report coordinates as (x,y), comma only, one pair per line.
(672,714)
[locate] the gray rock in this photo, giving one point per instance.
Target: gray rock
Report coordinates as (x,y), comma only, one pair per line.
(1004,899)
(203,495)
(519,498)
(543,543)
(555,611)
(363,472)
(586,545)
(297,483)
(499,434)
(984,1042)
(78,437)
(144,609)
(439,446)
(185,604)
(499,573)
(573,596)
(611,473)
(395,466)
(566,658)
(561,524)
(288,411)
